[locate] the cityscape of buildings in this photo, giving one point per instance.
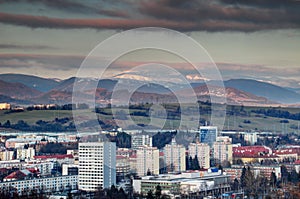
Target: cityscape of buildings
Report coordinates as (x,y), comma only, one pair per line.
(208,166)
(149,99)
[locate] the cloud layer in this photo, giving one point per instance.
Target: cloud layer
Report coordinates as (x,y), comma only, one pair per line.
(193,15)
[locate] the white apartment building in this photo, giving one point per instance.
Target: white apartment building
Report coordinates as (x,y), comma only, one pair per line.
(97,165)
(140,140)
(23,154)
(69,169)
(222,150)
(174,157)
(44,167)
(202,151)
(251,138)
(48,184)
(147,158)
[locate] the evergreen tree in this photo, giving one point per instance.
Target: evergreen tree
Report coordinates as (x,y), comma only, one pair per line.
(122,193)
(250,182)
(294,176)
(284,174)
(273,179)
(7,124)
(196,165)
(235,185)
(158,192)
(220,168)
(149,172)
(187,166)
(150,195)
(190,163)
(243,175)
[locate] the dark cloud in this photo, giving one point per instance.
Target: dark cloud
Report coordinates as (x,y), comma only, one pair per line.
(50,62)
(26,47)
(57,4)
(264,3)
(113,13)
(65,5)
(75,7)
(192,15)
(226,15)
(47,22)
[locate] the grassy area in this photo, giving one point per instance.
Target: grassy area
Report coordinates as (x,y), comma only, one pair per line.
(32,116)
(237,118)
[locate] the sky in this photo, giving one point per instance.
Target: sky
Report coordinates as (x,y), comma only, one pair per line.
(258,39)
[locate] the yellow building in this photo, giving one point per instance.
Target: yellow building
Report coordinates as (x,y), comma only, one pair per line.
(6,155)
(4,106)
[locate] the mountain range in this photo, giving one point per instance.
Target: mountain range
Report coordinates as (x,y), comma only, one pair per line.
(26,89)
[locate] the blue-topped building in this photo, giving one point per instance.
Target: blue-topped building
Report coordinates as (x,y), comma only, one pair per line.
(208,134)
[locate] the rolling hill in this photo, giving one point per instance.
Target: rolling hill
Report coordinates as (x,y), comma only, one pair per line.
(269,91)
(17,90)
(41,90)
(34,82)
(109,84)
(233,96)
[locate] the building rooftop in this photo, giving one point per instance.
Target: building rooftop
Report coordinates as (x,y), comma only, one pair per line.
(54,156)
(16,175)
(251,151)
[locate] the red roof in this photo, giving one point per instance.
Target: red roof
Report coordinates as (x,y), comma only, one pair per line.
(297,162)
(250,151)
(2,170)
(133,156)
(21,173)
(118,157)
(15,175)
(288,151)
(53,156)
(33,170)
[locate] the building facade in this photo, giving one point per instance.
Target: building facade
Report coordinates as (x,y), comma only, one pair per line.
(202,151)
(97,165)
(6,155)
(222,150)
(48,184)
(174,157)
(4,106)
(140,140)
(208,134)
(186,182)
(147,159)
(23,153)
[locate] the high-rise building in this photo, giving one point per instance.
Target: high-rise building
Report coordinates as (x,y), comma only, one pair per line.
(97,165)
(250,138)
(174,157)
(222,150)
(202,151)
(147,159)
(140,140)
(208,134)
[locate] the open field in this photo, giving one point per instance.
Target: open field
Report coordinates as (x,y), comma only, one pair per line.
(237,117)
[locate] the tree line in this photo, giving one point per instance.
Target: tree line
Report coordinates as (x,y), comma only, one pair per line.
(257,185)
(278,113)
(56,125)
